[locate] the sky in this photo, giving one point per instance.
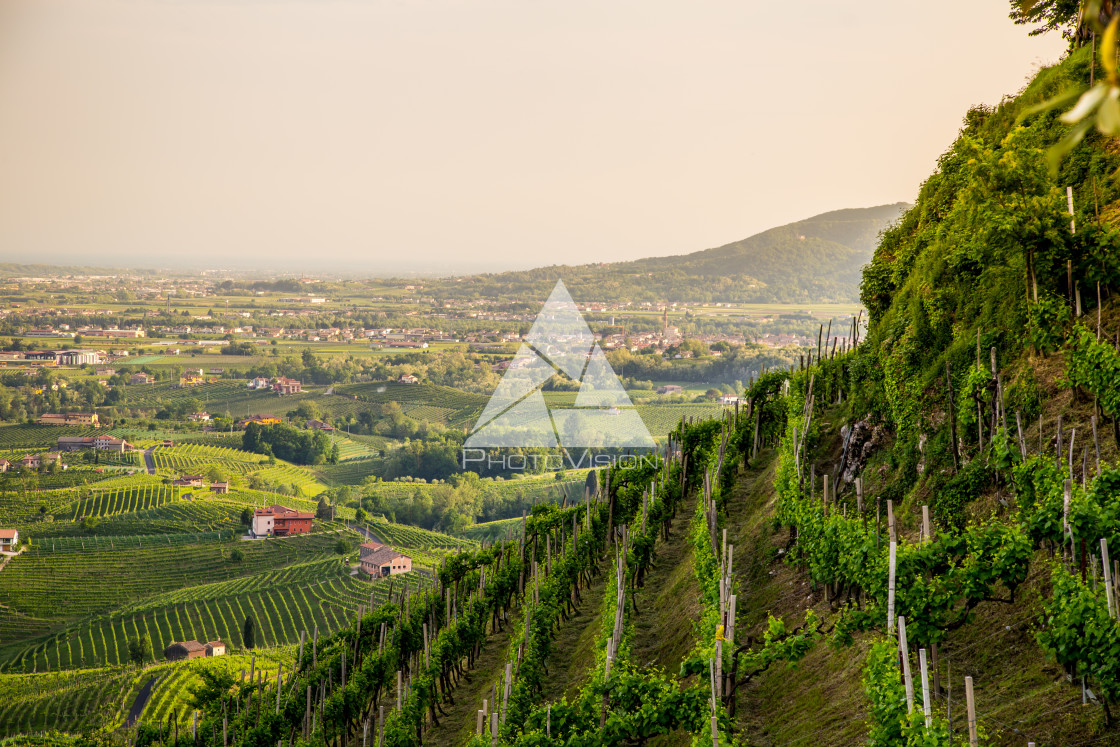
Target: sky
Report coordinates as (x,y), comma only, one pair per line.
(447,136)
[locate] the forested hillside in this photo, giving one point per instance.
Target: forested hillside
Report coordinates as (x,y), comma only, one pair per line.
(816,260)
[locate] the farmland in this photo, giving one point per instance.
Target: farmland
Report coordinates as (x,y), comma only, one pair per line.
(112,555)
(281,604)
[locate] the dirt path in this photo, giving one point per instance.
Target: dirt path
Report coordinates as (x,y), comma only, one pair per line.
(669,602)
(458,725)
(573,652)
(149,462)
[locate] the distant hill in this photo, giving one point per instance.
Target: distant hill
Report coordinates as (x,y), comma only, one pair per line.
(819,259)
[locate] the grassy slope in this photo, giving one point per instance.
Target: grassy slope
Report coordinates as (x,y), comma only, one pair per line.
(1020,694)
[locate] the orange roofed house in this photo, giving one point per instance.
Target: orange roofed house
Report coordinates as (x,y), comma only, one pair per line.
(280,521)
(379,561)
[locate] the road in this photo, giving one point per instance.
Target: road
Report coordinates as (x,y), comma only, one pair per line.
(150,462)
(141,701)
(366,533)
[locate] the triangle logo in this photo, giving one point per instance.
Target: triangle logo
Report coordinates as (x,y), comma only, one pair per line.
(517,414)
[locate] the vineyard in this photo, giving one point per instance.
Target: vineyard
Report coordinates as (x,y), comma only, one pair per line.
(349,472)
(493,531)
(169,518)
(74,702)
(34,583)
(31,437)
(451,406)
(171,697)
(191,457)
(319,595)
(415,538)
(219,396)
(123,500)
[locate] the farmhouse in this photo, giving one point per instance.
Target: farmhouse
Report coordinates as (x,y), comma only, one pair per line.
(219,487)
(280,521)
(111,443)
(408,379)
(141,378)
(385,561)
(194,481)
(258,383)
(31,461)
(74,443)
(318,425)
(69,418)
(184,650)
(9,540)
(367,548)
(215,648)
(199,417)
(285,385)
(5,465)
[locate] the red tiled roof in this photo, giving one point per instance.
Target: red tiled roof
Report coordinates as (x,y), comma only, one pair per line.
(190,646)
(7,534)
(382,555)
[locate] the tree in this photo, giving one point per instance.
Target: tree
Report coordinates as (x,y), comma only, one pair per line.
(323,510)
(139,650)
(1050,15)
(237,555)
(248,634)
(214,688)
(246,517)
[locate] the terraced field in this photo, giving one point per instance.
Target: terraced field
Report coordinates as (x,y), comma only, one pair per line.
(492,531)
(281,604)
(72,701)
(163,393)
(193,457)
(660,419)
(402,536)
(122,500)
(171,695)
(349,472)
(100,579)
(38,436)
(170,518)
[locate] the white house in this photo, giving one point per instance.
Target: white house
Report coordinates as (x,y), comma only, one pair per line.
(9,540)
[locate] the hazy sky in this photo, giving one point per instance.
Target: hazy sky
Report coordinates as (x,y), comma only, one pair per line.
(452,134)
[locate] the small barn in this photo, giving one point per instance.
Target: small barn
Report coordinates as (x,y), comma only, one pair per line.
(177,651)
